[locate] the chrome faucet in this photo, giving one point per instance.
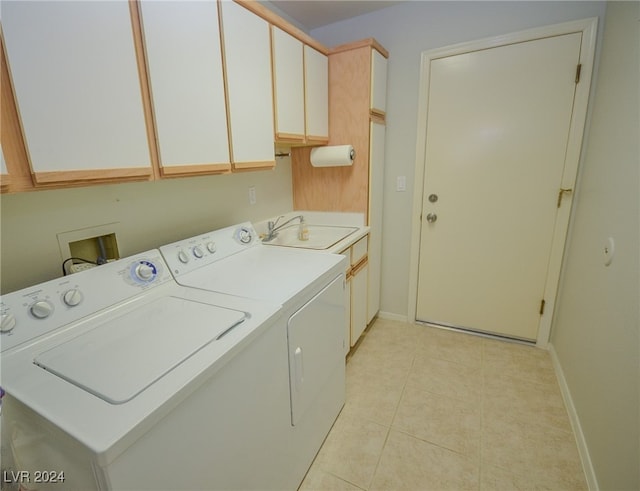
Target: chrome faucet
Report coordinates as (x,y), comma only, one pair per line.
(273,227)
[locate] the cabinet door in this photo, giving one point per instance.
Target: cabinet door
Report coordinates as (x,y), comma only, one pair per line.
(316,66)
(376,178)
(315,334)
(77,89)
(288,82)
(184,60)
(378,83)
(347,320)
(247,56)
(359,302)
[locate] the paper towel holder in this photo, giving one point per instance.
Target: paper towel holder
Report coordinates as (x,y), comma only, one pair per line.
(332,156)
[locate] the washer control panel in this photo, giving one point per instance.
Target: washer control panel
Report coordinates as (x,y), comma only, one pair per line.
(32,312)
(193,253)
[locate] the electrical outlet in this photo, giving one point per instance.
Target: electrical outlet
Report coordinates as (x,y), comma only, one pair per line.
(252,195)
(76,268)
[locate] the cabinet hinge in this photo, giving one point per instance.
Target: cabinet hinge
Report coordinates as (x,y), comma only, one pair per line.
(542,306)
(578,70)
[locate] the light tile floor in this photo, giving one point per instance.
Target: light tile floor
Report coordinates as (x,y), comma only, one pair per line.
(432,409)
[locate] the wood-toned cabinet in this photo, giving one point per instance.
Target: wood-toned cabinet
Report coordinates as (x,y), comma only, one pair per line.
(77,89)
(357,102)
(246,41)
(184,67)
(301,90)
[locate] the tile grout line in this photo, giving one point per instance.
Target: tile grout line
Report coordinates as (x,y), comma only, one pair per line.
(345,480)
(386,437)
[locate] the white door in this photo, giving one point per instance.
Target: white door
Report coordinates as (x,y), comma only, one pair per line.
(498,126)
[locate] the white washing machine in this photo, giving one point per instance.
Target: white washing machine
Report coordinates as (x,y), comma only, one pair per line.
(310,287)
(119,378)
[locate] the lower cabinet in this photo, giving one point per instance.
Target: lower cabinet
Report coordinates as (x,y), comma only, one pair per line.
(357,291)
(347,317)
(359,277)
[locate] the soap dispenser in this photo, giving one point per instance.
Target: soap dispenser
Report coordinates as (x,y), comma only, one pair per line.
(303,230)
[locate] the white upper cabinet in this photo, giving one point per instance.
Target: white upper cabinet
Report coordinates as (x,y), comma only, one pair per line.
(250,95)
(301,88)
(378,82)
(184,61)
(77,88)
(288,82)
(316,66)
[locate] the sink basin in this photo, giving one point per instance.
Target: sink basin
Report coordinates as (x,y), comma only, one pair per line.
(320,236)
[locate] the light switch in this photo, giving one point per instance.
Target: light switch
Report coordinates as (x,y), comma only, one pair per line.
(252,195)
(401,183)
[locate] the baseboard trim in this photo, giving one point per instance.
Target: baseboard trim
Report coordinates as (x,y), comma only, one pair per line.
(581,442)
(392,317)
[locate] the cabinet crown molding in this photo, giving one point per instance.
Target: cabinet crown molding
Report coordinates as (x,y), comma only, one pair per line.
(371,42)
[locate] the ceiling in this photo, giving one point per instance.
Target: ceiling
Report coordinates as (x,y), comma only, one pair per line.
(311,14)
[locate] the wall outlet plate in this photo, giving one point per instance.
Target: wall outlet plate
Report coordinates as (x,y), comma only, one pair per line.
(76,268)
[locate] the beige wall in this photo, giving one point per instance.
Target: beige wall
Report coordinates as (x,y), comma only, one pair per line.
(596,333)
(149,214)
(406,30)
(597,323)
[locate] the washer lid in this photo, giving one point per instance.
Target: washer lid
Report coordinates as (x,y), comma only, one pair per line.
(124,355)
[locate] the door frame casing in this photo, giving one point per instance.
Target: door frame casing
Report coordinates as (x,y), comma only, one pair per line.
(588,29)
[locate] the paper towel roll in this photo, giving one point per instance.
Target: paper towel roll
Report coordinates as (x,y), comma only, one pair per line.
(332,156)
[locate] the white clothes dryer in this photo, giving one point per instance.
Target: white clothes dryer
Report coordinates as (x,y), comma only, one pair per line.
(119,378)
(310,287)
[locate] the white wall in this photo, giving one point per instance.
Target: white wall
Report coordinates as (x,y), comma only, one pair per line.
(596,333)
(406,30)
(149,213)
(596,328)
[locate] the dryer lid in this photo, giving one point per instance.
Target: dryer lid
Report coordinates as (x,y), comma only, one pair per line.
(125,354)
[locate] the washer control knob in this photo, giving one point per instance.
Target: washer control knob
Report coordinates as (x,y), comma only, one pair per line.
(244,235)
(197,252)
(72,297)
(7,322)
(211,247)
(41,309)
(182,257)
(144,272)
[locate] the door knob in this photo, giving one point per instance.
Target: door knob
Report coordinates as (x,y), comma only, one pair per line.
(432,217)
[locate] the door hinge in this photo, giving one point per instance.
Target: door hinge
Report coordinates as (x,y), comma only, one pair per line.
(561,193)
(542,306)
(578,70)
